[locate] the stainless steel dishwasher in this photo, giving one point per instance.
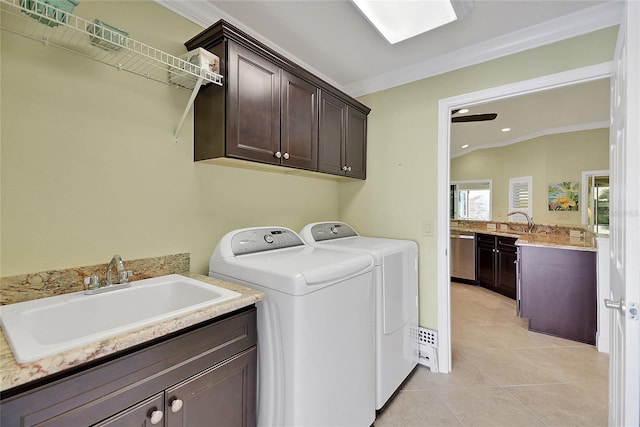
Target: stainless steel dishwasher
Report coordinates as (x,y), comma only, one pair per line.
(463,256)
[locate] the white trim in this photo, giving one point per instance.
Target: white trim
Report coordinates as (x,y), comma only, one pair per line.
(445,106)
(205,14)
(588,20)
(583,192)
(576,24)
(537,134)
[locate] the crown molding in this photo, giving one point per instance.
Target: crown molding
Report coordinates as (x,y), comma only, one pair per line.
(537,134)
(576,24)
(573,25)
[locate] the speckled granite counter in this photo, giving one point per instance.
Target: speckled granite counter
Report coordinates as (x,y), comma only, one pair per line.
(576,238)
(558,241)
(13,374)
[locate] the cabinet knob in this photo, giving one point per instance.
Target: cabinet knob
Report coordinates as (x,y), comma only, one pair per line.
(176,405)
(156,416)
(349,169)
(344,168)
(278,155)
(286,156)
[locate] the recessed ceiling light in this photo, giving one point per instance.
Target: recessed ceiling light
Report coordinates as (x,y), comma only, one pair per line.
(399,20)
(465,146)
(506,129)
(463,111)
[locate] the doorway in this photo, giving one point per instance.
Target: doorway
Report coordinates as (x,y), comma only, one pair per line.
(581,75)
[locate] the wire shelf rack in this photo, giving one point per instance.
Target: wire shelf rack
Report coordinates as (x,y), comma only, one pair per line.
(38,20)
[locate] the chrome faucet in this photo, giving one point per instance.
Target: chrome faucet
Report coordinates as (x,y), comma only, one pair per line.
(123,275)
(95,286)
(530,223)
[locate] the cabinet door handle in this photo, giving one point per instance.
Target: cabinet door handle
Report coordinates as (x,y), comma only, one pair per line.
(156,416)
(176,405)
(286,156)
(278,155)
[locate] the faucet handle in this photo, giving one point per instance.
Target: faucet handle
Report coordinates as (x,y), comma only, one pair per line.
(124,276)
(92,282)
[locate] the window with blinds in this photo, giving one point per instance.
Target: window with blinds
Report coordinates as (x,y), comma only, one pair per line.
(520,197)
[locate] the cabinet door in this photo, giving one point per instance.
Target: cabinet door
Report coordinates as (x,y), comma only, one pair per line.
(145,414)
(506,257)
(356,144)
(333,134)
(485,260)
(506,269)
(253,109)
(299,141)
(224,395)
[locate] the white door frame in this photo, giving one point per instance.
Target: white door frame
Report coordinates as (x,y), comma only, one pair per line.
(579,75)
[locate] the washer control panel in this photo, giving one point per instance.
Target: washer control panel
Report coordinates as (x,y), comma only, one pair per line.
(262,239)
(331,230)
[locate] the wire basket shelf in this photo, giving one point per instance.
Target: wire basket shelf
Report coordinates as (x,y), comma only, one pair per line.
(39,20)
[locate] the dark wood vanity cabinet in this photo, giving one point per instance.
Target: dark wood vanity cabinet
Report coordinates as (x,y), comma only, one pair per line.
(558,291)
(269,110)
(205,376)
(496,258)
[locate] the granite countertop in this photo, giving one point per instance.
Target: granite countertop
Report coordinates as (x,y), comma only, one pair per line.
(13,374)
(552,240)
(557,241)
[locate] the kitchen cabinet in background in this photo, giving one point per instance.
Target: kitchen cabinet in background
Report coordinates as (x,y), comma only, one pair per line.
(272,111)
(558,291)
(496,258)
(203,376)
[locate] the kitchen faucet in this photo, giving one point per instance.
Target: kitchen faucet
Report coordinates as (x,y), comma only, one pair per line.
(530,223)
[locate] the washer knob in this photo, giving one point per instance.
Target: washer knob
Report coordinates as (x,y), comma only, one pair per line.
(268,238)
(334,230)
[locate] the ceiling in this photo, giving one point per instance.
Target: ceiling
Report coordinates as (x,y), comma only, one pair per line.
(334,41)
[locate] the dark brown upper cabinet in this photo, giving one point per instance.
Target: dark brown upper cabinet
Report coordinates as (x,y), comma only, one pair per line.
(343,136)
(270,110)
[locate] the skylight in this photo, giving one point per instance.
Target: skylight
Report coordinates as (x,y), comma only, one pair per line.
(398,20)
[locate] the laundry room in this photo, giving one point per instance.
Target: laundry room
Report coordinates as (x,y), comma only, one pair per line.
(100,158)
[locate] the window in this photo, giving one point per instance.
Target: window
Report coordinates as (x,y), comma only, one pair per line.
(471,200)
(595,190)
(520,197)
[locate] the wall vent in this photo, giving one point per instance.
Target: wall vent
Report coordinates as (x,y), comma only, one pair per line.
(428,346)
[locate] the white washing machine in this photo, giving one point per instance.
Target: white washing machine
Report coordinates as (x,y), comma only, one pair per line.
(316,360)
(396,279)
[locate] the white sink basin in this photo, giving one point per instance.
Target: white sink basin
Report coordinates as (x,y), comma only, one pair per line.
(48,326)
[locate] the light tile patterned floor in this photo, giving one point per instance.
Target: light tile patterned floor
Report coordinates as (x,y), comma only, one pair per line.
(503,375)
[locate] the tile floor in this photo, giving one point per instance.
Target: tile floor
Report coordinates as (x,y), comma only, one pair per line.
(503,375)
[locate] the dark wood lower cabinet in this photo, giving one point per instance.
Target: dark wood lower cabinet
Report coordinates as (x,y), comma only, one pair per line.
(496,258)
(203,377)
(558,292)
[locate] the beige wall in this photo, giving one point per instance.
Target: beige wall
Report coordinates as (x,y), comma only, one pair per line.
(399,196)
(548,159)
(89,168)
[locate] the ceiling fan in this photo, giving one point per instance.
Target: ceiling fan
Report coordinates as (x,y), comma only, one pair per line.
(472,117)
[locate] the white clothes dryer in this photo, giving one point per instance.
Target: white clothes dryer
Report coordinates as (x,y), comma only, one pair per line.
(396,283)
(316,360)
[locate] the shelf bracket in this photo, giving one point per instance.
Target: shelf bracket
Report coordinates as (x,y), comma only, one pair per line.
(194,93)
